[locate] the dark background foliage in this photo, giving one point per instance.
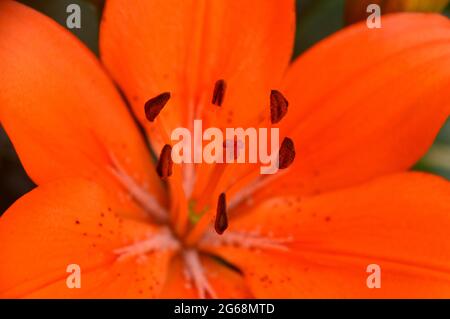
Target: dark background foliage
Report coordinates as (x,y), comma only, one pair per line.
(316,19)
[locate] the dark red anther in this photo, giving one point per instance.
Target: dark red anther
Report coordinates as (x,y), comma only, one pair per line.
(155,105)
(165,163)
(278,106)
(219,92)
(286,154)
(221,222)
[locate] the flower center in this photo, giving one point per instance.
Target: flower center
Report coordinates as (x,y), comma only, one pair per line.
(200,217)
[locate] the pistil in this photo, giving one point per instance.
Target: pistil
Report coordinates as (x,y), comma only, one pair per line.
(196,233)
(211,188)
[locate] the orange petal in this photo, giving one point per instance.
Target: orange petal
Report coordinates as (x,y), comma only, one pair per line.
(367,102)
(62,113)
(186,46)
(226,283)
(400,223)
(75,222)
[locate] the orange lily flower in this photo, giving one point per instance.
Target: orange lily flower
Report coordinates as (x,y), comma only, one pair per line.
(364,106)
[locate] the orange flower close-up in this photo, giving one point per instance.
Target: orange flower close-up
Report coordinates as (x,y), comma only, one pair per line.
(355,113)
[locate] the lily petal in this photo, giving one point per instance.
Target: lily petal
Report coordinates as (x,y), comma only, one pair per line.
(61,111)
(367,102)
(75,222)
(399,222)
(185,47)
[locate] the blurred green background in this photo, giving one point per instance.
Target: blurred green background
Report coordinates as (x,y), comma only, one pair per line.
(316,19)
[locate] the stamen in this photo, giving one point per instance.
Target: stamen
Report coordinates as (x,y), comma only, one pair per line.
(161,241)
(286,154)
(196,273)
(155,105)
(189,178)
(286,157)
(217,173)
(219,92)
(221,222)
(248,240)
(278,106)
(253,187)
(178,213)
(204,202)
(189,172)
(165,163)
